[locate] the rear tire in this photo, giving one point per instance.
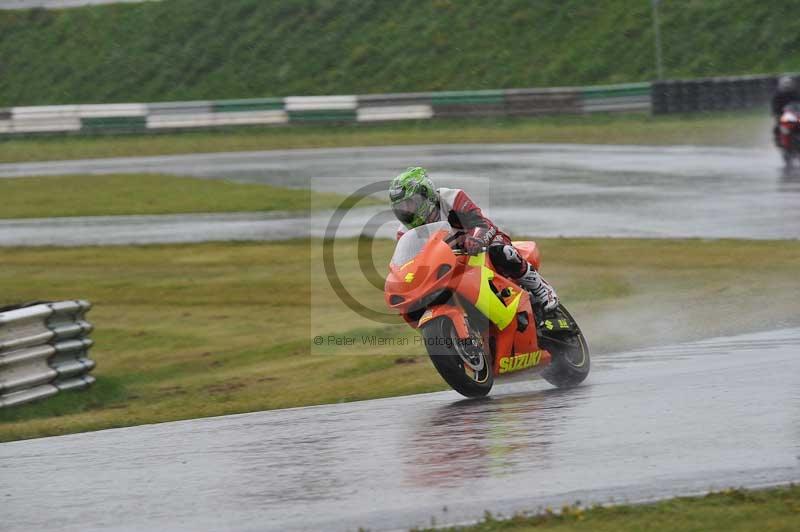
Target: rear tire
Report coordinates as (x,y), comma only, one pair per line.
(467,369)
(571,360)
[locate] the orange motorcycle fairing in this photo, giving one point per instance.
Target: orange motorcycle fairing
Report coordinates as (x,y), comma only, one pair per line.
(517,338)
(453,312)
(438,283)
(410,286)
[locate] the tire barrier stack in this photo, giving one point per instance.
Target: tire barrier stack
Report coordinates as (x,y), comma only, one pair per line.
(164,116)
(43,350)
(713,94)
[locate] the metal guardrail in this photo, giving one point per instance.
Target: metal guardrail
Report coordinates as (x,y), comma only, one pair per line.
(43,350)
(143,117)
(631,97)
(709,94)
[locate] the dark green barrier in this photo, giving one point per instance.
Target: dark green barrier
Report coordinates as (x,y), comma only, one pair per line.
(332,115)
(113,123)
(638,89)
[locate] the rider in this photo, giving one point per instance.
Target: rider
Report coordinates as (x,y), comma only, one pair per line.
(416,202)
(786,94)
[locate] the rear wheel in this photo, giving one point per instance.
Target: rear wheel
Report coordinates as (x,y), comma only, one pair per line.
(570,352)
(464,365)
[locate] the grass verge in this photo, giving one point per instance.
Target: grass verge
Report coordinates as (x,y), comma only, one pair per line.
(733,510)
(716,129)
(186,331)
(97,195)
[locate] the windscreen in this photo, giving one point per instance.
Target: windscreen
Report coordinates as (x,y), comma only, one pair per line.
(411,243)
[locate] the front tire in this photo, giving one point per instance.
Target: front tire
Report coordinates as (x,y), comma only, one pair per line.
(571,360)
(466,368)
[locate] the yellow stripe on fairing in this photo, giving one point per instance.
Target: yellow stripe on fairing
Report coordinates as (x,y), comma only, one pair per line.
(488,303)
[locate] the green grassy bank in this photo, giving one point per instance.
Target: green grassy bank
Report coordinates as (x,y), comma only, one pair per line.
(206,49)
(716,129)
(120,194)
(186,331)
(733,510)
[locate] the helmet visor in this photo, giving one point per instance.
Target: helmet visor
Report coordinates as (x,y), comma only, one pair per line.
(411,211)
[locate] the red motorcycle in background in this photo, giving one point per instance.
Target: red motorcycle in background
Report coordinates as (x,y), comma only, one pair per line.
(477,325)
(789,134)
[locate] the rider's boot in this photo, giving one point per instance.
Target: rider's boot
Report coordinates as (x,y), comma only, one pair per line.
(543,293)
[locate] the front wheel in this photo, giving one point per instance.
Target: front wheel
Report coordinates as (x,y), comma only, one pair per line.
(570,352)
(464,365)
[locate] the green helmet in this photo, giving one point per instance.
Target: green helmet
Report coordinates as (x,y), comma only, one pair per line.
(413,197)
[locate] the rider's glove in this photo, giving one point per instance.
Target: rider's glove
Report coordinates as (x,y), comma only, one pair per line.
(479,239)
(473,245)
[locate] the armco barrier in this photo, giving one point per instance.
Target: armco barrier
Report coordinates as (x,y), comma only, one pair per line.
(711,94)
(43,350)
(138,117)
(400,106)
(120,118)
(394,112)
(533,102)
(321,108)
(628,97)
(468,103)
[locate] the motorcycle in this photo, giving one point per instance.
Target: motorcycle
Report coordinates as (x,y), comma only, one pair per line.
(789,133)
(476,325)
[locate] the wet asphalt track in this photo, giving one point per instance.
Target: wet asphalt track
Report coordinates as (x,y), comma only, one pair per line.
(647,424)
(532,189)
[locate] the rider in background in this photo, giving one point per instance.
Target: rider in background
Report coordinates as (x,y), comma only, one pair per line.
(416,202)
(787,93)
